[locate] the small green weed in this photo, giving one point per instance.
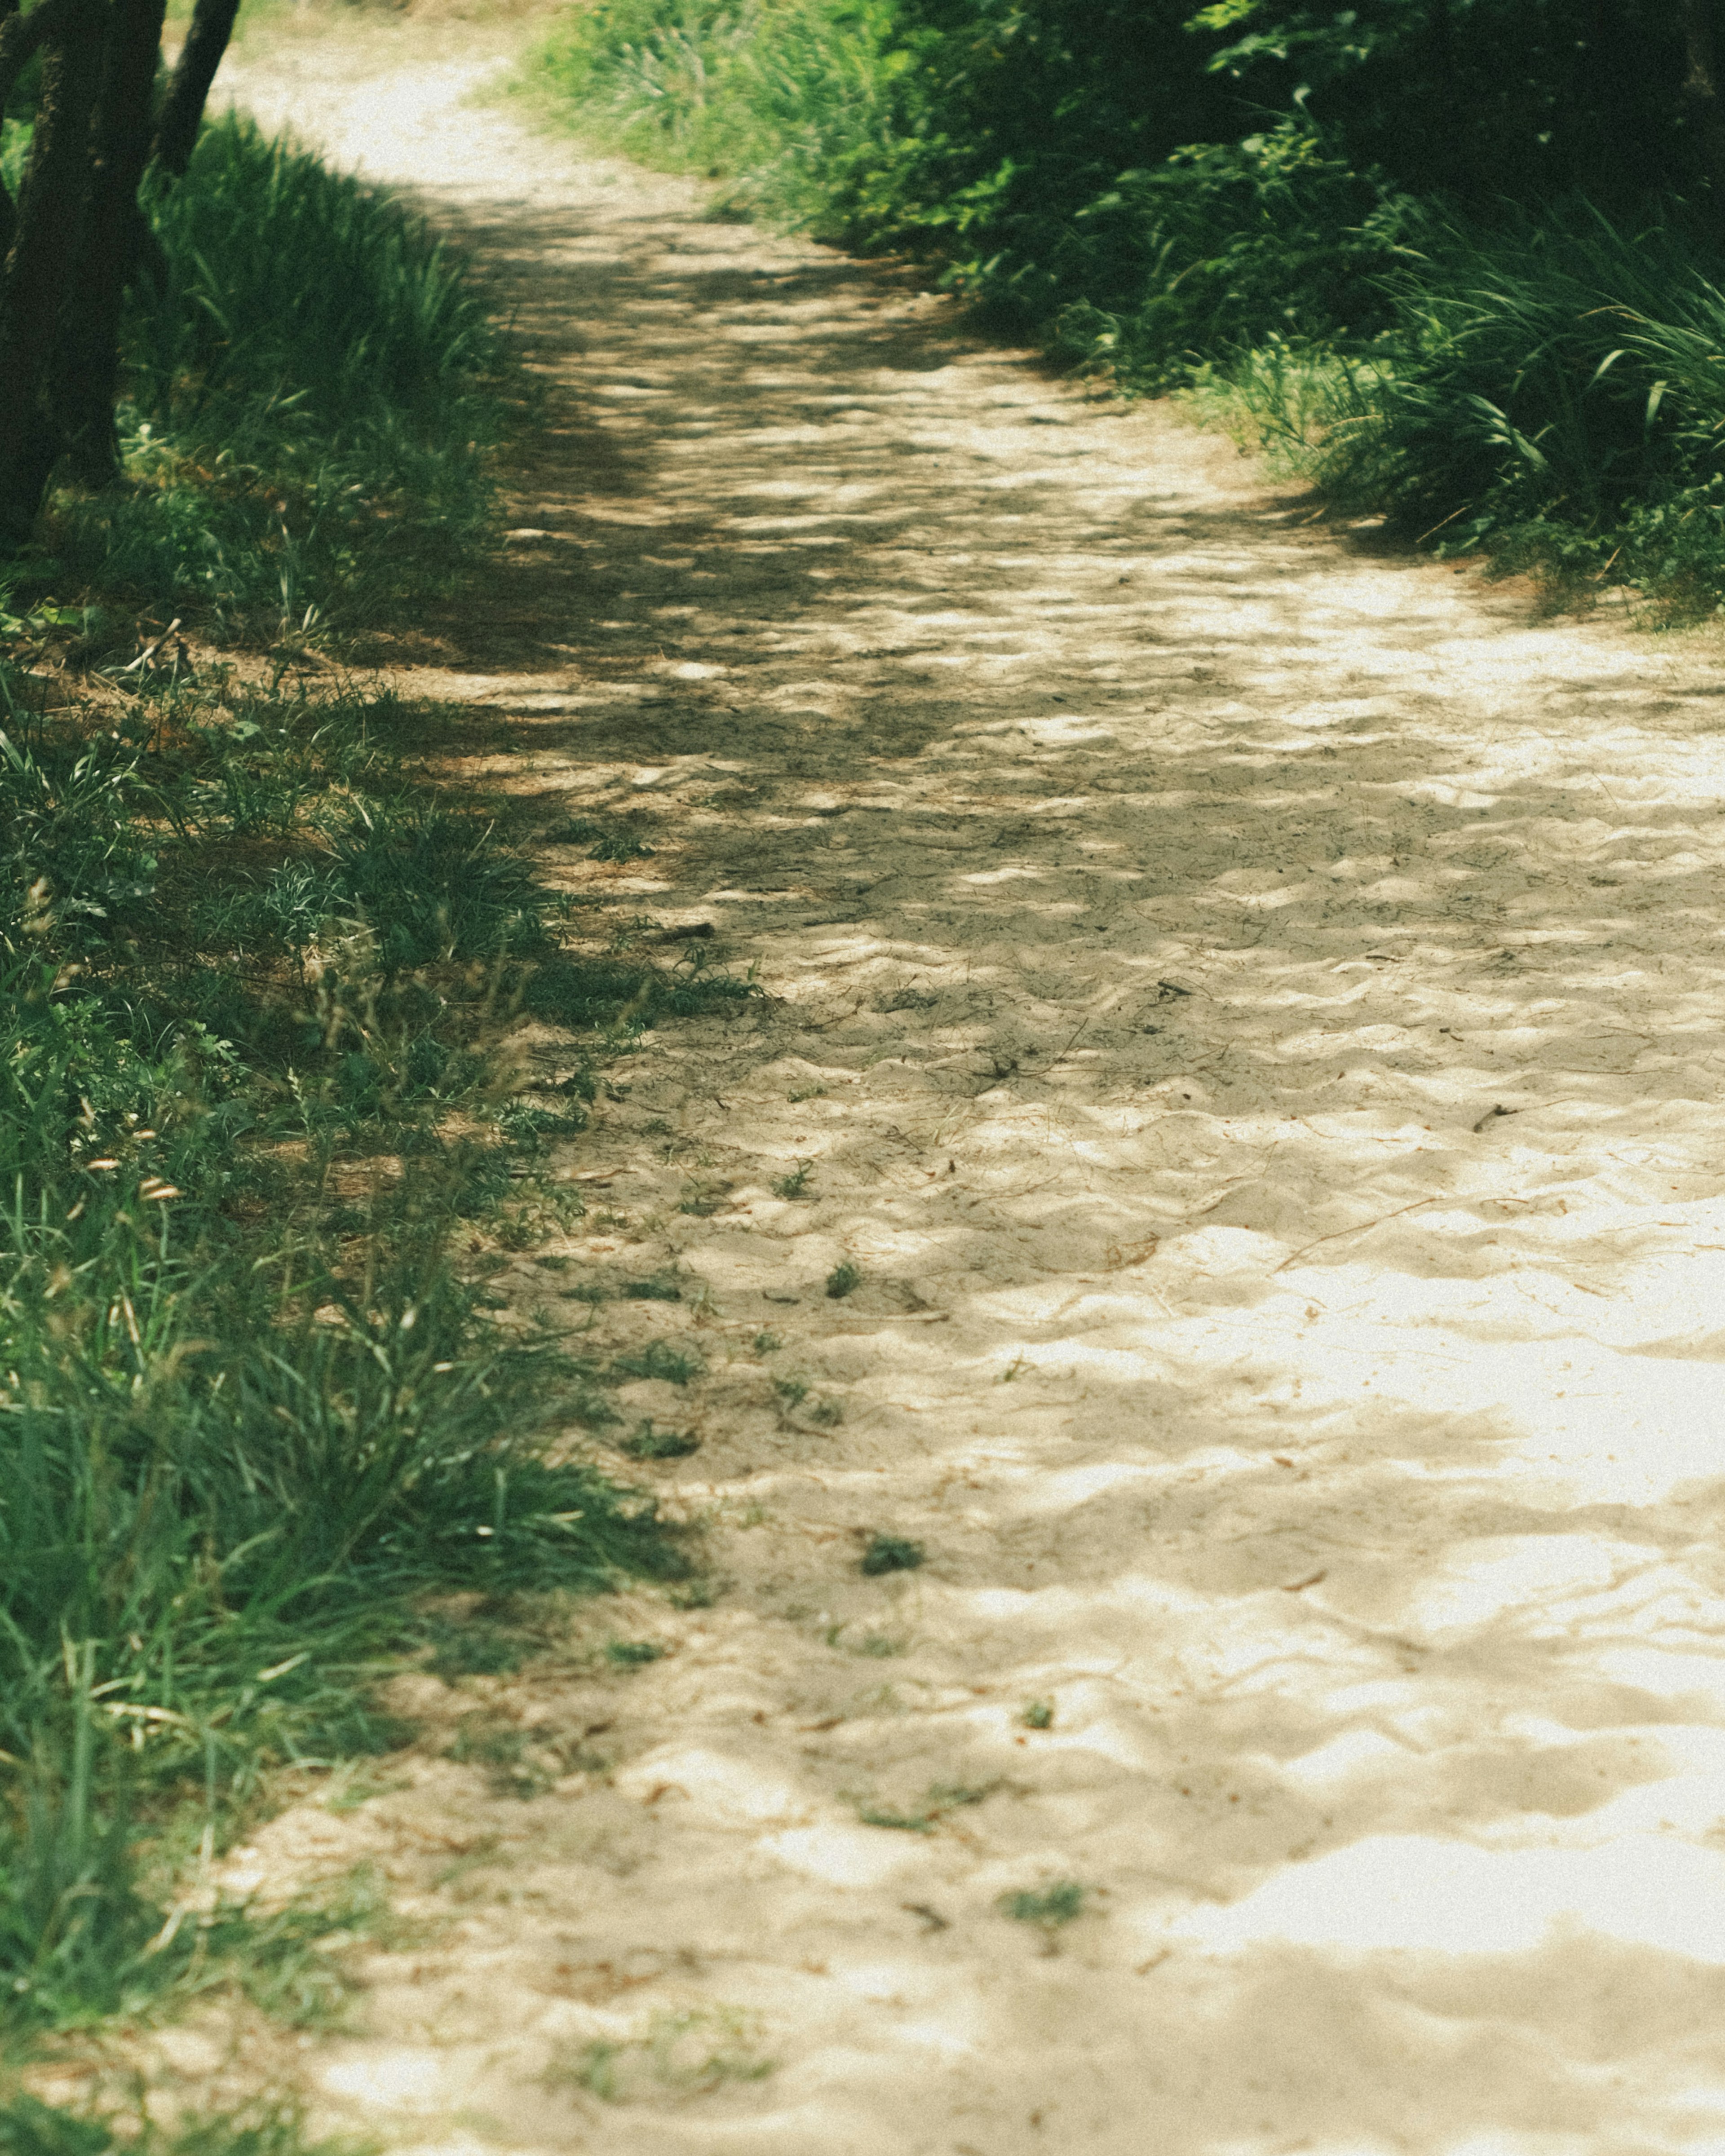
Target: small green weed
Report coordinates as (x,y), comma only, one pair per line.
(676,1365)
(790,1392)
(519,1762)
(662,1287)
(891,1553)
(844,1279)
(686,2054)
(1048,1907)
(826,1414)
(767,1343)
(795,1185)
(1037,1714)
(938,1800)
(604,842)
(634,1654)
(28,2128)
(649,1444)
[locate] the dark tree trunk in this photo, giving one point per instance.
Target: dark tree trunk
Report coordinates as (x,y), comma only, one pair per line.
(86,365)
(20,35)
(1701,94)
(41,263)
(194,71)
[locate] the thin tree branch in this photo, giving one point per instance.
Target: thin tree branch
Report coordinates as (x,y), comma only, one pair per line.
(194,71)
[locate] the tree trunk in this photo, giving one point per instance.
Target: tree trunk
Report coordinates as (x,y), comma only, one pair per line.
(86,366)
(194,71)
(20,37)
(41,263)
(1701,94)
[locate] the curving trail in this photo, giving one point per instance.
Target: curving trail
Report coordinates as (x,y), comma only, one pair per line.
(1253,1008)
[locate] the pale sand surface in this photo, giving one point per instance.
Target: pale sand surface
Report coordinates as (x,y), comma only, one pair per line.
(1253,1008)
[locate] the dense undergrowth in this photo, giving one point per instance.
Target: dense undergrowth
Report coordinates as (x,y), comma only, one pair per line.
(313,397)
(264,1128)
(1457,264)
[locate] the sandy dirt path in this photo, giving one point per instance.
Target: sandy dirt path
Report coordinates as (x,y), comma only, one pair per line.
(1252,1008)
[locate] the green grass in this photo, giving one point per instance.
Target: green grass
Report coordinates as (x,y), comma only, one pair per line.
(1514,371)
(28,2128)
(891,1553)
(775,97)
(311,405)
(1047,1908)
(674,2054)
(258,982)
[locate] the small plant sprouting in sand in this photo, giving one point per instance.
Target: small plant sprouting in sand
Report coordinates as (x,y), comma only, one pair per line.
(1037,1714)
(890,1553)
(688,2054)
(767,1343)
(939,1798)
(844,1279)
(658,1359)
(1047,1909)
(633,1653)
(790,1392)
(662,1287)
(650,1443)
(796,1183)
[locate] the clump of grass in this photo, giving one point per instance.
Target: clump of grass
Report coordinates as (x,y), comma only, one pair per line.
(767,1343)
(795,1184)
(474,1647)
(844,1279)
(790,1392)
(604,841)
(313,393)
(1047,1908)
(649,1444)
(937,1800)
(659,1359)
(523,1762)
(684,2054)
(891,1553)
(1037,1714)
(662,1287)
(28,2128)
(634,1654)
(256,983)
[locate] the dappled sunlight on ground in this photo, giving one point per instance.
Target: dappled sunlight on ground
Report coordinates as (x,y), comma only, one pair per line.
(1251,1006)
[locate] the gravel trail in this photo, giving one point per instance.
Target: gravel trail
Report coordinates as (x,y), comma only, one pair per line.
(1251,1008)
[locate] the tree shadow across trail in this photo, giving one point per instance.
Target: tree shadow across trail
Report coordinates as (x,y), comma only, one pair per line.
(1247,1009)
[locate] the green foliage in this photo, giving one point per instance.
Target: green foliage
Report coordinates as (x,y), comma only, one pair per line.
(1352,238)
(890,1553)
(248,954)
(311,397)
(676,1365)
(1049,1907)
(28,2128)
(781,97)
(649,1444)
